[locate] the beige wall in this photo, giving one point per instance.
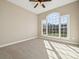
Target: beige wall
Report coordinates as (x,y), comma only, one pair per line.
(71,9)
(15,23)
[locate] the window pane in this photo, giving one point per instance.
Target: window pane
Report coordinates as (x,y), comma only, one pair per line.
(53,24)
(64,21)
(44,26)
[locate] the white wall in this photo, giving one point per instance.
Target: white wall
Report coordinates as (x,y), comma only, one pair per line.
(15,23)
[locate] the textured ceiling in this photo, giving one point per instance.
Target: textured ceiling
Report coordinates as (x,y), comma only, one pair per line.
(49,5)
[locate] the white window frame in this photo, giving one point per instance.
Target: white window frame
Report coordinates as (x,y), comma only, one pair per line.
(68,29)
(58,37)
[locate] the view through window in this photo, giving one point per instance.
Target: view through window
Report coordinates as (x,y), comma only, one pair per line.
(55,25)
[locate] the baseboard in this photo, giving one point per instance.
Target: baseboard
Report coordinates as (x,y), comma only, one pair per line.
(61,41)
(16,42)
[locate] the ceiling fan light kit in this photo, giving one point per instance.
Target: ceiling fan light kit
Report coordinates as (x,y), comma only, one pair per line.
(39,2)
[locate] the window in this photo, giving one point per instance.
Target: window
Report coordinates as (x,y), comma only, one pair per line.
(55,25)
(64,24)
(44,27)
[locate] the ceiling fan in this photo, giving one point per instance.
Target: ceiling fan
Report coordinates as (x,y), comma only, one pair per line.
(39,1)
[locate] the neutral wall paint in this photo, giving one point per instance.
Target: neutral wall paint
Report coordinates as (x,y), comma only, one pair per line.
(71,9)
(16,23)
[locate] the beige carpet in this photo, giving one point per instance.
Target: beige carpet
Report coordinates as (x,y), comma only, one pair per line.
(39,49)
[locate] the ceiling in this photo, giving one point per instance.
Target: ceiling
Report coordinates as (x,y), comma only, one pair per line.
(39,9)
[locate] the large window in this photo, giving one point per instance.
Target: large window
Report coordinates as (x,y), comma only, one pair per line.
(55,25)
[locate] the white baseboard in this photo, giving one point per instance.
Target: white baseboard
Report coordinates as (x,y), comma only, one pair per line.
(16,42)
(61,41)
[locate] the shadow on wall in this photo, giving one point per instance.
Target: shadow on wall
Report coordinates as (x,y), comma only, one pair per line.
(39,49)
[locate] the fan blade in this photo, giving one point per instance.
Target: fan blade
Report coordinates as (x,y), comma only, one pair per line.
(35,5)
(43,5)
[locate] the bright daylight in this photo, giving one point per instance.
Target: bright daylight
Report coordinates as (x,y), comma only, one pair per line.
(39,29)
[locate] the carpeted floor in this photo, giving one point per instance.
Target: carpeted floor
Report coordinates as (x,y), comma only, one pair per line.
(39,49)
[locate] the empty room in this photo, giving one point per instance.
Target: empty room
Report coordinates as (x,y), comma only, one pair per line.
(39,29)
